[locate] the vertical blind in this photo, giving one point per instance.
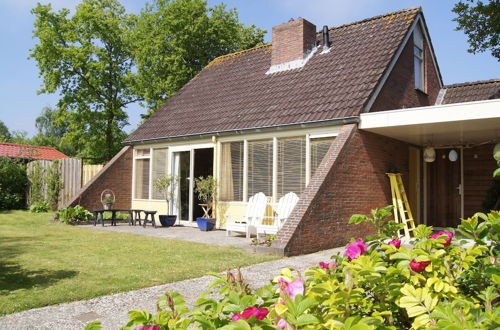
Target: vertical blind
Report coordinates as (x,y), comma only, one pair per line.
(232,171)
(260,167)
(319,147)
(159,169)
(291,165)
(142,178)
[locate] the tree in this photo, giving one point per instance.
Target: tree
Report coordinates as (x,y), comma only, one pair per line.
(174,40)
(87,59)
(4,132)
(480,21)
(52,125)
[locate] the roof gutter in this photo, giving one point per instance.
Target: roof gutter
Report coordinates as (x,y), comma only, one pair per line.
(311,124)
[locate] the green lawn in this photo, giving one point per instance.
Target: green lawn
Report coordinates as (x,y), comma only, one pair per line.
(43,263)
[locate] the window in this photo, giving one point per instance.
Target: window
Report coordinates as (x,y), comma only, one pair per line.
(260,167)
(159,169)
(319,147)
(418,58)
(232,171)
(142,178)
(291,165)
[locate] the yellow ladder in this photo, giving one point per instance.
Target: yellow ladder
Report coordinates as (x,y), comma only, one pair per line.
(402,212)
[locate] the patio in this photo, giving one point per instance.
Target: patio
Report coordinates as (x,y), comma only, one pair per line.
(182,233)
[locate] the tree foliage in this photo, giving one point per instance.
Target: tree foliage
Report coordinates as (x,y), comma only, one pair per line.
(480,21)
(87,59)
(174,40)
(13,184)
(4,132)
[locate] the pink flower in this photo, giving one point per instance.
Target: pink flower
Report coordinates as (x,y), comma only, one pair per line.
(447,239)
(153,327)
(396,242)
(292,288)
(417,266)
(354,250)
(281,324)
(326,265)
(259,313)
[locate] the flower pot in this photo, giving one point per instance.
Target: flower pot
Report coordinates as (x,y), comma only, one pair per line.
(205,224)
(167,220)
(107,206)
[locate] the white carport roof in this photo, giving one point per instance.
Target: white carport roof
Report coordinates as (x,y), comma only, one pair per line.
(458,124)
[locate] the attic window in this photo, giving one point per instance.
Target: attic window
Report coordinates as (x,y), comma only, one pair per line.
(418,58)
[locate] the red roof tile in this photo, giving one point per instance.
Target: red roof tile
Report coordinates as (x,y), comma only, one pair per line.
(14,150)
(234,92)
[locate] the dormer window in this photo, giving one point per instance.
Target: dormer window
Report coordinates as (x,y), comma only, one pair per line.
(418,58)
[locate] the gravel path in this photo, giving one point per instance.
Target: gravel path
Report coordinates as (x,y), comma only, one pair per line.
(112,310)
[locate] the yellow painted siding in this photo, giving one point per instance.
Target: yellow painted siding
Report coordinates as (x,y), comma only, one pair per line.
(159,206)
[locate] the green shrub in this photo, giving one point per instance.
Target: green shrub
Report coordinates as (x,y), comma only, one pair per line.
(430,283)
(13,184)
(40,207)
(118,216)
(74,214)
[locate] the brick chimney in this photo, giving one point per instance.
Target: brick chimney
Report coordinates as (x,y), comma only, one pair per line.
(292,41)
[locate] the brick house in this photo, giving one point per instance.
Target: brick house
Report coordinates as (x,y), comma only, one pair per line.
(324,115)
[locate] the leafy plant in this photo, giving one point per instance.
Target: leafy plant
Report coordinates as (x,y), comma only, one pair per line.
(74,214)
(385,286)
(53,183)
(13,184)
(163,186)
(380,220)
(40,207)
(206,188)
(35,176)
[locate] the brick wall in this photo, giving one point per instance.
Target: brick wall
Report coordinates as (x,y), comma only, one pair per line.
(399,90)
(292,40)
(117,176)
(351,179)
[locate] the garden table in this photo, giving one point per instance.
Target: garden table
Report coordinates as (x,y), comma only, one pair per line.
(134,214)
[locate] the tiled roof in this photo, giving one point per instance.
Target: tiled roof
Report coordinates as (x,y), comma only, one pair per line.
(472,91)
(234,93)
(14,150)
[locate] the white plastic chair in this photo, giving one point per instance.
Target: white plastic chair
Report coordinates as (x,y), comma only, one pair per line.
(286,205)
(256,209)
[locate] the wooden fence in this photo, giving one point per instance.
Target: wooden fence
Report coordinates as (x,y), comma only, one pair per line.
(89,171)
(72,176)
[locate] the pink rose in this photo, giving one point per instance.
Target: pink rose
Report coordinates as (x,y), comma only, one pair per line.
(292,288)
(354,250)
(447,239)
(259,313)
(396,242)
(281,324)
(326,265)
(417,266)
(153,327)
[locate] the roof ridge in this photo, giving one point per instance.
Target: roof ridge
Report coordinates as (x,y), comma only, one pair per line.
(415,8)
(237,53)
(27,145)
(470,83)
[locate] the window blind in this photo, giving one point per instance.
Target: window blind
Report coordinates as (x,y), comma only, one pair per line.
(319,147)
(232,171)
(291,165)
(142,178)
(159,169)
(260,167)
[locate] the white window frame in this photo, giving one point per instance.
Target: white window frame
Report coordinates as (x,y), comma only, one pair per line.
(150,157)
(421,58)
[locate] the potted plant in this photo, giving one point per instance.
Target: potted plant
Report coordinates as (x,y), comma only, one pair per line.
(163,186)
(206,188)
(107,198)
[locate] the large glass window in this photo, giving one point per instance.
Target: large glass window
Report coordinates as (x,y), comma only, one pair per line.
(159,169)
(319,147)
(142,178)
(232,171)
(418,58)
(260,167)
(291,165)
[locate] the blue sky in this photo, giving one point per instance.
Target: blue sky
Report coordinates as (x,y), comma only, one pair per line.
(19,79)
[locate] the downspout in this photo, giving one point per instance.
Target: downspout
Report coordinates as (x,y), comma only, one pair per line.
(215,174)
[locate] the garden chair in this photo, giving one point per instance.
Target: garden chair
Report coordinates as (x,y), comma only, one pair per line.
(256,209)
(285,207)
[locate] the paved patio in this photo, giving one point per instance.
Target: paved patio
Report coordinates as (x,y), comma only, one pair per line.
(182,233)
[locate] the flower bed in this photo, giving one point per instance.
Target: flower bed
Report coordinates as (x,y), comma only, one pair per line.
(437,281)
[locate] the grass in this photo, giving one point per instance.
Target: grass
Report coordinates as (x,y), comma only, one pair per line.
(43,263)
